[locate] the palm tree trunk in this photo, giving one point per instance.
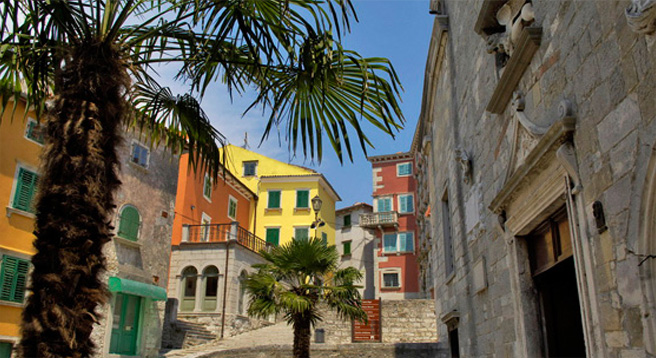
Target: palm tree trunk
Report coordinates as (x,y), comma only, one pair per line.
(74,204)
(302,336)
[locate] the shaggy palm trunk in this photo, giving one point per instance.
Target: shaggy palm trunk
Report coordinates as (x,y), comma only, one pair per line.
(302,336)
(74,204)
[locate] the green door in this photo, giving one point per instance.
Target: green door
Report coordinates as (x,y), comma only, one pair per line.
(125,329)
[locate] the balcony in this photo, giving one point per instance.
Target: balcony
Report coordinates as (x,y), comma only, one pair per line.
(382,219)
(222,233)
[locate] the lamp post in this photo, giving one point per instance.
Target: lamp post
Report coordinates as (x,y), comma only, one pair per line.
(316,205)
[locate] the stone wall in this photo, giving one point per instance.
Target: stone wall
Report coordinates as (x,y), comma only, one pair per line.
(590,86)
(359,350)
(403,321)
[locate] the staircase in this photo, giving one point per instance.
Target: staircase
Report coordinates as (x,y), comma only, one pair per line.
(183,334)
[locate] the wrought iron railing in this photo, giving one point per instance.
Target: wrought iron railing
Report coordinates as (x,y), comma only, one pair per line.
(223,233)
(379,219)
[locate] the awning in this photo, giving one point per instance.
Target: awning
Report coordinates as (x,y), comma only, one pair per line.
(136,288)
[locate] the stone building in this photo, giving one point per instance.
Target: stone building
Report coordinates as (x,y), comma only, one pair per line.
(355,245)
(138,256)
(536,139)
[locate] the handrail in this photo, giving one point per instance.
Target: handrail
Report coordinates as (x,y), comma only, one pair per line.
(223,233)
(379,218)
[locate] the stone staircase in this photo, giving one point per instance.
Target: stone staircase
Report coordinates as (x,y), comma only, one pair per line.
(183,334)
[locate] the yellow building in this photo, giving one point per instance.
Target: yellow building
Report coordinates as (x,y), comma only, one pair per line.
(285,192)
(20,147)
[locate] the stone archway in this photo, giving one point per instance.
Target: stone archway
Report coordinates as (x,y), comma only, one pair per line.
(647,246)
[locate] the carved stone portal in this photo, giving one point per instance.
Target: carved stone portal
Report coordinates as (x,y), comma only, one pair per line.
(641,16)
(514,16)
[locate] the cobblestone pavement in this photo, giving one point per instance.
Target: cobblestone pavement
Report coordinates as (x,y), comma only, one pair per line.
(277,334)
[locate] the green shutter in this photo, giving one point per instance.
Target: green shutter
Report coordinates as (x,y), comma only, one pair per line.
(129,224)
(14,279)
(406,242)
(232,210)
(324,239)
(302,199)
(34,132)
(25,190)
(274,200)
(5,349)
(347,220)
(301,233)
(273,236)
(347,247)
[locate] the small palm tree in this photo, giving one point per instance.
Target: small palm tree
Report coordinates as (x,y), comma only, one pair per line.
(299,276)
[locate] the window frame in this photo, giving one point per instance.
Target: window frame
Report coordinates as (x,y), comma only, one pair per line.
(29,129)
(14,291)
(207,180)
(232,199)
(398,201)
(279,207)
(248,162)
(397,242)
(399,279)
(350,221)
(308,200)
(15,186)
(135,144)
(266,235)
(398,169)
(205,231)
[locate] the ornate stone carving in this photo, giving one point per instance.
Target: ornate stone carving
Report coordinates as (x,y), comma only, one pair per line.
(465,163)
(641,16)
(566,155)
(515,19)
(519,104)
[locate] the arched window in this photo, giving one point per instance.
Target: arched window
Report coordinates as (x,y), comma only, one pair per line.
(188,301)
(211,278)
(129,222)
(241,304)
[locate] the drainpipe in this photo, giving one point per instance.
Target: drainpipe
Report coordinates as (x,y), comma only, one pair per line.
(233,236)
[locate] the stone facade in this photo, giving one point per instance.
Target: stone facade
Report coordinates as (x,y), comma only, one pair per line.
(559,131)
(360,350)
(151,190)
(232,299)
(360,242)
(403,321)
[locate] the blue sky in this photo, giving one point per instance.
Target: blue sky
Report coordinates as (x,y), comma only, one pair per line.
(397,29)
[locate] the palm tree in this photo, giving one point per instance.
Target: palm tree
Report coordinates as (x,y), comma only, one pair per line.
(300,275)
(85,67)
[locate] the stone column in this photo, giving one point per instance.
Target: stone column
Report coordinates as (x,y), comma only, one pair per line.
(199,290)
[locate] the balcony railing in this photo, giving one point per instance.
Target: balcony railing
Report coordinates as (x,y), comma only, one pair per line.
(386,218)
(223,233)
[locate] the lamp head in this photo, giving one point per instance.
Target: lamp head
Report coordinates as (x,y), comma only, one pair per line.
(316,203)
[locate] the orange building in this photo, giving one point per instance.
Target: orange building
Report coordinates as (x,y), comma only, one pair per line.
(202,201)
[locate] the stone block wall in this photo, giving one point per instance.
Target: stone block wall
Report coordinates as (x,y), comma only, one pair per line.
(359,350)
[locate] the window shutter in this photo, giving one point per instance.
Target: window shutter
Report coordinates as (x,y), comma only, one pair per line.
(274,200)
(347,220)
(273,236)
(129,224)
(389,243)
(324,239)
(347,247)
(25,190)
(406,242)
(14,279)
(302,199)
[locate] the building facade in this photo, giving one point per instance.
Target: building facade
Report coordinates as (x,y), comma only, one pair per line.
(20,146)
(138,256)
(355,245)
(537,140)
(394,224)
(284,210)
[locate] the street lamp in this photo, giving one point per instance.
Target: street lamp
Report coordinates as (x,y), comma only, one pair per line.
(316,205)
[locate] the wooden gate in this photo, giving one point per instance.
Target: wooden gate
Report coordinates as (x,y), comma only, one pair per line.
(370,332)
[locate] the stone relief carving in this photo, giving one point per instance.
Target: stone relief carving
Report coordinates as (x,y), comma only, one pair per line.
(514,16)
(465,163)
(519,104)
(641,16)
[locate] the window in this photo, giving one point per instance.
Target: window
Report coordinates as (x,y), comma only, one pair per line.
(273,235)
(211,276)
(205,227)
(207,188)
(324,239)
(347,220)
(14,278)
(26,185)
(391,280)
(250,168)
(5,349)
(188,289)
(34,131)
(398,242)
(232,208)
(139,155)
(406,203)
(241,307)
(273,199)
(301,233)
(302,199)
(383,205)
(129,223)
(446,234)
(346,248)
(404,169)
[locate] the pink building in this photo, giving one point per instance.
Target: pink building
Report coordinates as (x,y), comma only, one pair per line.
(394,225)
